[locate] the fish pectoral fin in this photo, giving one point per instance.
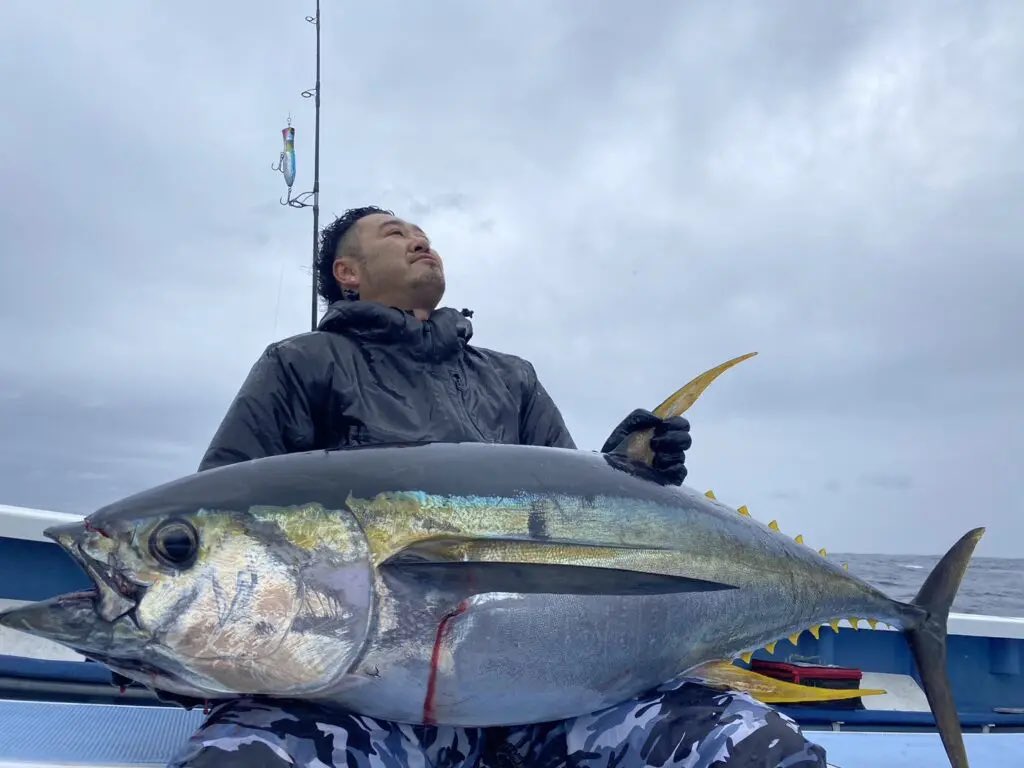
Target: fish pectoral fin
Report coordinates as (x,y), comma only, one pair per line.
(725,674)
(543,578)
(537,567)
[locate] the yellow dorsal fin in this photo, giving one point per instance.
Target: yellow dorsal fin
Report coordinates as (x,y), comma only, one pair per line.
(816,631)
(770,647)
(794,638)
(744,511)
(747,656)
(710,494)
(773,525)
(872,623)
(799,538)
(822,552)
(835,625)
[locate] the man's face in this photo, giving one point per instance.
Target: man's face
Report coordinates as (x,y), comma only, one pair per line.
(390,260)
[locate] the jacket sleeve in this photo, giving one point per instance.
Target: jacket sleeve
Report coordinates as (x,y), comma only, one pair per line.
(270,415)
(541,422)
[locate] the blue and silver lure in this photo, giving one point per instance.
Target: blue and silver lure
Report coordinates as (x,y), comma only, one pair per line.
(287,161)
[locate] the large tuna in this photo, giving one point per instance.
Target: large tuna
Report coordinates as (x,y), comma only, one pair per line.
(467,584)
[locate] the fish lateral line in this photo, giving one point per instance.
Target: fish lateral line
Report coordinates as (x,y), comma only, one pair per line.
(449,548)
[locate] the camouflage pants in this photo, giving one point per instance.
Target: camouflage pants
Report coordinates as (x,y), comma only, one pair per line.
(683,724)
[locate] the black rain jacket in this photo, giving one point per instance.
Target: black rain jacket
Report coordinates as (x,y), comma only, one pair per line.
(372,374)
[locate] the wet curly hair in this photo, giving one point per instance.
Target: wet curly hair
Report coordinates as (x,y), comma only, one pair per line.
(330,238)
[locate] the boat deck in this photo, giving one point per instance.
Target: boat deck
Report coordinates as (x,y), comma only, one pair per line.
(115,735)
(39,733)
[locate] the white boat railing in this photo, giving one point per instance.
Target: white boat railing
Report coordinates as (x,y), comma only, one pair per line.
(28,524)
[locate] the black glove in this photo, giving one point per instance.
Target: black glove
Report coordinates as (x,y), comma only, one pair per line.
(670,442)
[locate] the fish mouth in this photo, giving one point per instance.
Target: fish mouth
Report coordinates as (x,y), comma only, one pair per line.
(67,619)
(73,621)
(79,596)
(114,595)
(100,623)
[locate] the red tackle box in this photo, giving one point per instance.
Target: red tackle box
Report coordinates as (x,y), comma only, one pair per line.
(815,675)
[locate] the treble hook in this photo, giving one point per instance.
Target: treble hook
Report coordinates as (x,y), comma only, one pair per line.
(296,202)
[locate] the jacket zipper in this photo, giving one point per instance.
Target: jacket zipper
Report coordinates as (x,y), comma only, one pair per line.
(460,386)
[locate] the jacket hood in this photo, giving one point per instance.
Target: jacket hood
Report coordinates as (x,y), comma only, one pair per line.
(444,334)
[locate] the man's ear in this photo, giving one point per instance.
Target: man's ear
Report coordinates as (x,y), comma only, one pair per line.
(345,273)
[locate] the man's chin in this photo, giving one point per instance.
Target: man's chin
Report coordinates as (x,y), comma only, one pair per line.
(429,290)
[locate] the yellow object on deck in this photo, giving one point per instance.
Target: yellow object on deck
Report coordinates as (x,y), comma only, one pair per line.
(768,689)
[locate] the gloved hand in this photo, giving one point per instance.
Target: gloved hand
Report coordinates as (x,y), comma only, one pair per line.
(670,442)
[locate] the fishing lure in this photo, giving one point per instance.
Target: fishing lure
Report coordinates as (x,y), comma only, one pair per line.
(286,163)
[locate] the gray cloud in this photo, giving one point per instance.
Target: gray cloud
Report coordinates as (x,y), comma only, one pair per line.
(785,494)
(626,197)
(888,481)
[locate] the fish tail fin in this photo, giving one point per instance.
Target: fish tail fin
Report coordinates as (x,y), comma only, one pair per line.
(639,443)
(927,639)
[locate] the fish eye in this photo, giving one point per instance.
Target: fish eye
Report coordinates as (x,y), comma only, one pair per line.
(174,543)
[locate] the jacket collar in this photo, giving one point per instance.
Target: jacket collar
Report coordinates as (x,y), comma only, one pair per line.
(444,334)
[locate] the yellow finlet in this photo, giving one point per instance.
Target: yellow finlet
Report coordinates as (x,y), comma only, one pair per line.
(795,638)
(853,621)
(639,445)
(725,674)
(710,494)
(747,657)
(799,538)
(873,623)
(774,525)
(744,511)
(846,566)
(822,552)
(816,631)
(770,647)
(835,625)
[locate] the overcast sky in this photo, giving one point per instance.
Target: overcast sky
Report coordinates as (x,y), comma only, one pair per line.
(625,193)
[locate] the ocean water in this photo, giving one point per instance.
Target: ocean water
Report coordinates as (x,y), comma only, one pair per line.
(992,585)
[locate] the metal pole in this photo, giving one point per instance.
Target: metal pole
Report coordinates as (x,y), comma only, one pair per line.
(299,201)
(316,168)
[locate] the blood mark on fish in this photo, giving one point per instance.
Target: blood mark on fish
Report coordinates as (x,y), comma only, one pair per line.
(90,527)
(429,715)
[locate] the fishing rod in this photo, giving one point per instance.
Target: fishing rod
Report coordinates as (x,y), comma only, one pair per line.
(286,163)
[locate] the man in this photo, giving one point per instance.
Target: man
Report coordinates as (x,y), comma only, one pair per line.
(386,365)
